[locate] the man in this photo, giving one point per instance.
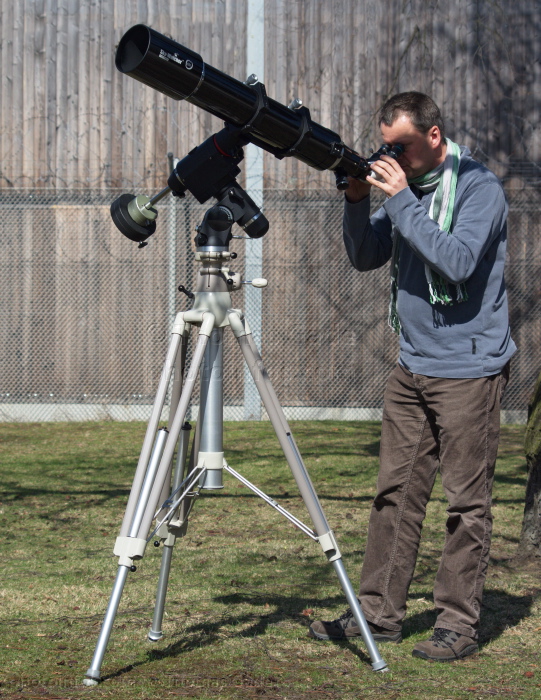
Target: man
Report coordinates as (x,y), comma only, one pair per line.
(443,226)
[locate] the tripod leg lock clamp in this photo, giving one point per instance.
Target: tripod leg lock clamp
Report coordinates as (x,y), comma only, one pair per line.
(330,546)
(168,532)
(237,323)
(129,549)
(200,317)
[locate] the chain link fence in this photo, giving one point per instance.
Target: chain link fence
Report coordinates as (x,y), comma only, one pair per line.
(86,315)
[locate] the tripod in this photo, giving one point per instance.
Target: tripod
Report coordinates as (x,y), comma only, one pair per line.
(165,495)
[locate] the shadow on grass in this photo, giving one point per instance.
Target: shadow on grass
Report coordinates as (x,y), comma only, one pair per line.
(208,633)
(500,611)
(12,493)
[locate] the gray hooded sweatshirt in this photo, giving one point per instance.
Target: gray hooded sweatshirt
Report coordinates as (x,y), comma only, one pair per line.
(462,340)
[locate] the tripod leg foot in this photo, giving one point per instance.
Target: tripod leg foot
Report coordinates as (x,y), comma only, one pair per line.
(155,633)
(90,682)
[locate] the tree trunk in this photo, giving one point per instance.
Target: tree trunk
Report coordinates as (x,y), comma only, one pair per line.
(530,539)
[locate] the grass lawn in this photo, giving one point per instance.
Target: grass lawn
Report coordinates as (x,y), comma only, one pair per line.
(245,584)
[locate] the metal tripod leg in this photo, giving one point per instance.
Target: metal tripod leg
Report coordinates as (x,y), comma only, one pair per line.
(296,464)
(176,390)
(141,509)
(170,537)
(178,332)
(155,632)
(128,549)
(207,325)
(209,453)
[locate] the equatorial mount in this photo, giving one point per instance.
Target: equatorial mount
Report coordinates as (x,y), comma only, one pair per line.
(209,170)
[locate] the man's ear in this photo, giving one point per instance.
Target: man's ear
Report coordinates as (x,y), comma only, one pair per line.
(434,135)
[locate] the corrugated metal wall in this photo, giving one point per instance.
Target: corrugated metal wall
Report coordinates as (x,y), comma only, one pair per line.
(69,119)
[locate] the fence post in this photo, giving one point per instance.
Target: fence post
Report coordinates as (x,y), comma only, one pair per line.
(255,63)
(172,234)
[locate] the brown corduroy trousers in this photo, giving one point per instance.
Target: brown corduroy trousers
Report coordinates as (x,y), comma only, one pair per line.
(430,423)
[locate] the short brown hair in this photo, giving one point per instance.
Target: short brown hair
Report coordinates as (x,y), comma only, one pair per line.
(420,108)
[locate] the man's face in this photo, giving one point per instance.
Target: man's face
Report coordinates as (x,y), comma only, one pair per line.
(423,152)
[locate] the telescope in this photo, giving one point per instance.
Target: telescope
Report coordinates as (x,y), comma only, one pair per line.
(250,116)
(180,73)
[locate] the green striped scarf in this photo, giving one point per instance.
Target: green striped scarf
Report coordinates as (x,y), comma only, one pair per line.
(443,180)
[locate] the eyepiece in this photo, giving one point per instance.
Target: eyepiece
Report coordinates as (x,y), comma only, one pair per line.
(396,150)
(385,150)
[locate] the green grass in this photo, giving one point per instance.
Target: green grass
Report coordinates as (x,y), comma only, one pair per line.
(244,585)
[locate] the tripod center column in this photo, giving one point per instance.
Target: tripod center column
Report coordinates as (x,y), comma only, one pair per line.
(211,407)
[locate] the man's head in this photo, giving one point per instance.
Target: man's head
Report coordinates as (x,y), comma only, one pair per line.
(414,120)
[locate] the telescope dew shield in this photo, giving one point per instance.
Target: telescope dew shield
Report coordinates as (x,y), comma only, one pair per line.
(180,73)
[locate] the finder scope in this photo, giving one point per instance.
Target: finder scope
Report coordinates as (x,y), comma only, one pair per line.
(161,63)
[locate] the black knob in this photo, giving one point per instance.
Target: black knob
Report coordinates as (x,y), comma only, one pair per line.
(182,288)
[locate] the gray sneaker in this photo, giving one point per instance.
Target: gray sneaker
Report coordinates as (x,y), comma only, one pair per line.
(345,627)
(445,645)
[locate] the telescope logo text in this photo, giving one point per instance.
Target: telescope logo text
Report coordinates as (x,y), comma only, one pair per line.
(174,57)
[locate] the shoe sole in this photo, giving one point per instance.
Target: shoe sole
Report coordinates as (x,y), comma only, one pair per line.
(468,651)
(396,639)
(327,638)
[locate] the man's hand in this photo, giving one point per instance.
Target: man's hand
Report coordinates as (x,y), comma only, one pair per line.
(394,178)
(357,190)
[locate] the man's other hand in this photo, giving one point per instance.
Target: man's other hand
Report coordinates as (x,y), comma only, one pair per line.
(357,190)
